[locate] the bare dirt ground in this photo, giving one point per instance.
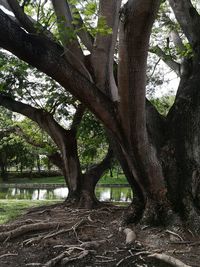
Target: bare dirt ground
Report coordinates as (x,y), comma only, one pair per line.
(60,236)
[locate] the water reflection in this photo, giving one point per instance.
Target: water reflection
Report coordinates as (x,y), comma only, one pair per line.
(114,194)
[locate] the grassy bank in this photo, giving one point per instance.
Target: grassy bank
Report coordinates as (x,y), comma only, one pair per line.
(60,180)
(10,209)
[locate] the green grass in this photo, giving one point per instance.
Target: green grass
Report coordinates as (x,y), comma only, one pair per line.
(42,180)
(10,209)
(60,180)
(113,180)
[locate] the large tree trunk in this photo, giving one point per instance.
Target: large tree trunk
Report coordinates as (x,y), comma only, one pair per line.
(139,148)
(183,164)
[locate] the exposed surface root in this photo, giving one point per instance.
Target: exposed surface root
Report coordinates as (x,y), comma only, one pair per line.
(61,236)
(169,259)
(5,236)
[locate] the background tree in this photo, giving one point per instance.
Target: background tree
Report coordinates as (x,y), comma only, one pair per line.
(59,116)
(14,152)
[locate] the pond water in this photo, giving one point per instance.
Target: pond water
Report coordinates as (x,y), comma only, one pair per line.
(113,194)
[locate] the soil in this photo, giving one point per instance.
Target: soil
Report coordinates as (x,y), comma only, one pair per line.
(58,235)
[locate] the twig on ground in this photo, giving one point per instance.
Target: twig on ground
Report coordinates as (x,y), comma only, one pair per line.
(82,255)
(8,254)
(84,245)
(195,243)
(90,219)
(174,234)
(190,231)
(122,260)
(55,260)
(34,264)
(32,240)
(182,242)
(66,230)
(92,244)
(104,257)
(142,253)
(174,251)
(168,259)
(105,261)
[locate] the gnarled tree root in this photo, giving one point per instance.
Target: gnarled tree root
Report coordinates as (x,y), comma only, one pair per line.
(5,236)
(168,259)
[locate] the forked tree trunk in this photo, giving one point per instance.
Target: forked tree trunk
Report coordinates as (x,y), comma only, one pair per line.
(81,186)
(90,179)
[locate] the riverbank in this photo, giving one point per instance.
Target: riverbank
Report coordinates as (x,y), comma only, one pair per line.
(59,180)
(51,186)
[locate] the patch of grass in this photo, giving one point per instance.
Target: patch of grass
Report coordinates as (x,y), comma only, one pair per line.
(42,180)
(10,209)
(113,180)
(60,180)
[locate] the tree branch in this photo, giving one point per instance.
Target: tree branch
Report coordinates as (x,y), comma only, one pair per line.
(86,38)
(54,157)
(104,45)
(46,56)
(73,51)
(5,4)
(177,40)
(173,65)
(78,117)
(189,20)
(41,117)
(57,160)
(21,16)
(66,28)
(24,20)
(18,130)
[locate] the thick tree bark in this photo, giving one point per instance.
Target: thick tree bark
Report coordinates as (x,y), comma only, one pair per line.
(183,150)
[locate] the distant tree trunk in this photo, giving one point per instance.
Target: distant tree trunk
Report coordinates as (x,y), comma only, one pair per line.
(90,179)
(21,167)
(81,186)
(38,163)
(3,166)
(4,173)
